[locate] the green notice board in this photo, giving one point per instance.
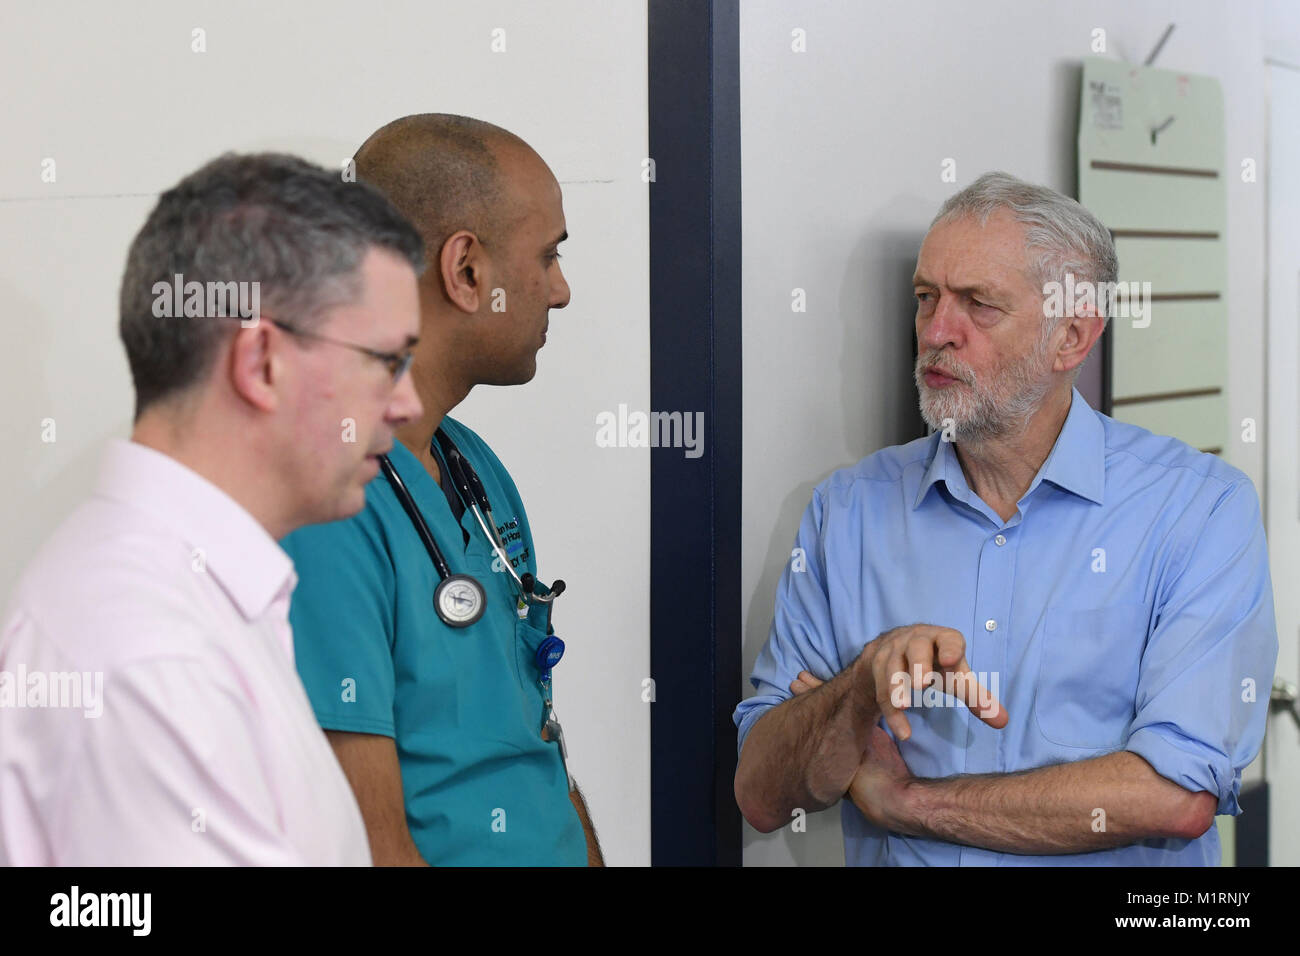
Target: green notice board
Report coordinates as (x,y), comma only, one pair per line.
(1151,167)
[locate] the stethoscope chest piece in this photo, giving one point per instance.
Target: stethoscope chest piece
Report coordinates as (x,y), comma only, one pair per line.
(459,600)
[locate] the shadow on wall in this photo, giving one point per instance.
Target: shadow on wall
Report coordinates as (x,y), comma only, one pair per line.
(823,841)
(877,358)
(58,461)
(1067,84)
(880,350)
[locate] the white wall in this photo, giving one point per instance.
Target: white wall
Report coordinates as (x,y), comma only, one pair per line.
(842,147)
(116,96)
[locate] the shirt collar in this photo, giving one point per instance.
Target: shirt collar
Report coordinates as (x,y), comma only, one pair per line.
(1077,462)
(226,541)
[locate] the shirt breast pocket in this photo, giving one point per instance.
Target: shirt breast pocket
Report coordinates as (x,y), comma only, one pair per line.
(1088,675)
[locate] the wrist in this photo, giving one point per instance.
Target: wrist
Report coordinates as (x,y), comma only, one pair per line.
(914,805)
(862,691)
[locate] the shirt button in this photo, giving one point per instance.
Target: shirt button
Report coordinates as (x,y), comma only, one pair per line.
(990,625)
(1000,541)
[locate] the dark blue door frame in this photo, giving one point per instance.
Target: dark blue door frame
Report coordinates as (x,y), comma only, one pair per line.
(695,366)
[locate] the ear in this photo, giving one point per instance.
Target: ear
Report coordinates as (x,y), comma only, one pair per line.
(463,266)
(1081,331)
(254,367)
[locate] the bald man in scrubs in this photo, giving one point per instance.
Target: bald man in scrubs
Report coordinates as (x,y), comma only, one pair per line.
(440,729)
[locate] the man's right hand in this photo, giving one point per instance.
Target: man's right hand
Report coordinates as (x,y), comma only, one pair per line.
(918,656)
(804,753)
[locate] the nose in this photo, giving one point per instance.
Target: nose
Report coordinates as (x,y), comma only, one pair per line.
(943,327)
(404,405)
(559,290)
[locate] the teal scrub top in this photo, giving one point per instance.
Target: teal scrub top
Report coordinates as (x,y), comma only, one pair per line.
(464,705)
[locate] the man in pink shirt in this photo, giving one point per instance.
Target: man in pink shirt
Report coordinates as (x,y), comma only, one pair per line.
(150,712)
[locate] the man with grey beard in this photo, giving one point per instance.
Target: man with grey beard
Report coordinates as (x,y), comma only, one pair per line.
(1096,599)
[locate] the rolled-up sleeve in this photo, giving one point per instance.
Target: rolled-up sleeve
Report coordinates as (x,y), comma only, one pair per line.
(801,637)
(1202,695)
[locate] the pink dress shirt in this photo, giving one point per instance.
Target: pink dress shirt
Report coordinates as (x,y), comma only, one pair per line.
(200,746)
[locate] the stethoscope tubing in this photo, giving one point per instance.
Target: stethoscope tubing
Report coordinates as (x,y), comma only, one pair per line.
(417,519)
(474,496)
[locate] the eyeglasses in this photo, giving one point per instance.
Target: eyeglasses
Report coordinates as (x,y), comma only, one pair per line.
(396,362)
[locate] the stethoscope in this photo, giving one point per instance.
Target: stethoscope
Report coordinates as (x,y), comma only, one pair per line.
(460,599)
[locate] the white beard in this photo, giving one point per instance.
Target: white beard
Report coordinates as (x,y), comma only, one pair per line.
(978,411)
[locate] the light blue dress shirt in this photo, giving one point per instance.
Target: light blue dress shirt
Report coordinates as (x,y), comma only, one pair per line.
(1126,605)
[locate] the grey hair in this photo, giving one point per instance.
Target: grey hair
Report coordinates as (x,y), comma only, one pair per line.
(296,229)
(1061,235)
